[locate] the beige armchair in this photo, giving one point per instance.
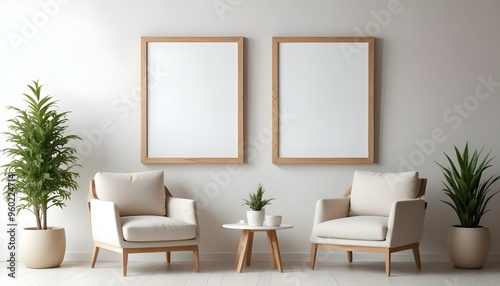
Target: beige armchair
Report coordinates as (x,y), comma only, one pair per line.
(135,213)
(381,212)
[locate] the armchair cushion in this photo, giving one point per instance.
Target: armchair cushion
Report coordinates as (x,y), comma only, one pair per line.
(156,228)
(134,193)
(356,227)
(374,193)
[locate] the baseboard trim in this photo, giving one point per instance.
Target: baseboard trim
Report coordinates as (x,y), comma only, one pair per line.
(323,256)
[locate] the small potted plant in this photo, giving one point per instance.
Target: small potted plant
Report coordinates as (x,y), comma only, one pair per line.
(41,168)
(468,243)
(256,203)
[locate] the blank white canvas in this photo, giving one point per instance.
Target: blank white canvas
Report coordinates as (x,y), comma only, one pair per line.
(325,87)
(193,106)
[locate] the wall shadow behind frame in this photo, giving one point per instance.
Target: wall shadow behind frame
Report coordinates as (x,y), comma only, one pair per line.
(327,85)
(192,99)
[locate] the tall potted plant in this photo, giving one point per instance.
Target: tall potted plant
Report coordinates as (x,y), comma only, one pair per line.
(256,203)
(468,243)
(41,164)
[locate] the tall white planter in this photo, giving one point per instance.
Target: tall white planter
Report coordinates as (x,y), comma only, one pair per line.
(468,247)
(256,218)
(42,248)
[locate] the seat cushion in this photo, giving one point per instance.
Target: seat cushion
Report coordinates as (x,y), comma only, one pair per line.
(141,193)
(374,193)
(356,227)
(156,228)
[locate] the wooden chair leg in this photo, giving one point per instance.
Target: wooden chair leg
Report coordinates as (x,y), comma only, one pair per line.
(388,262)
(314,251)
(124,262)
(94,256)
(196,259)
(168,256)
(349,256)
(416,255)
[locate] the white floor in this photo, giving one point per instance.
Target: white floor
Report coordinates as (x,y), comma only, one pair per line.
(259,273)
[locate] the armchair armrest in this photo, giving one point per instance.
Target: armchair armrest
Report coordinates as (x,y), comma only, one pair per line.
(105,222)
(182,209)
(406,222)
(328,209)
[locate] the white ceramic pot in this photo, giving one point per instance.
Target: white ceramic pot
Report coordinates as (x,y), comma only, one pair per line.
(256,218)
(468,247)
(42,248)
(273,220)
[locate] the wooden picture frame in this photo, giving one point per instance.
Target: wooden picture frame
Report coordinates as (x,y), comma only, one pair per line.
(192,99)
(323,100)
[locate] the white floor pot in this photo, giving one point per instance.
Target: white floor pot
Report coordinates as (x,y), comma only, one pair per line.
(468,247)
(256,218)
(42,248)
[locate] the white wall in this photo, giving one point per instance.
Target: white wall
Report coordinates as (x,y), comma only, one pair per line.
(431,59)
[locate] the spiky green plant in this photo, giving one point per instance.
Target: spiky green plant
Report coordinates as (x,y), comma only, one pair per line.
(469,195)
(256,201)
(41,161)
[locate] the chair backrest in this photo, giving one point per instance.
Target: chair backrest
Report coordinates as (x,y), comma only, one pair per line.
(141,193)
(374,193)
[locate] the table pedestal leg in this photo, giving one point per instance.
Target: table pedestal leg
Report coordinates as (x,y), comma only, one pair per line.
(271,251)
(249,247)
(242,249)
(274,249)
(245,249)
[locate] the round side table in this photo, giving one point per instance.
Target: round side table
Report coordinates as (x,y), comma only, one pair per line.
(246,240)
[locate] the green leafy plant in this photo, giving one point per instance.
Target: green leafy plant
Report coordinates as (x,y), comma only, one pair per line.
(256,202)
(469,195)
(41,161)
